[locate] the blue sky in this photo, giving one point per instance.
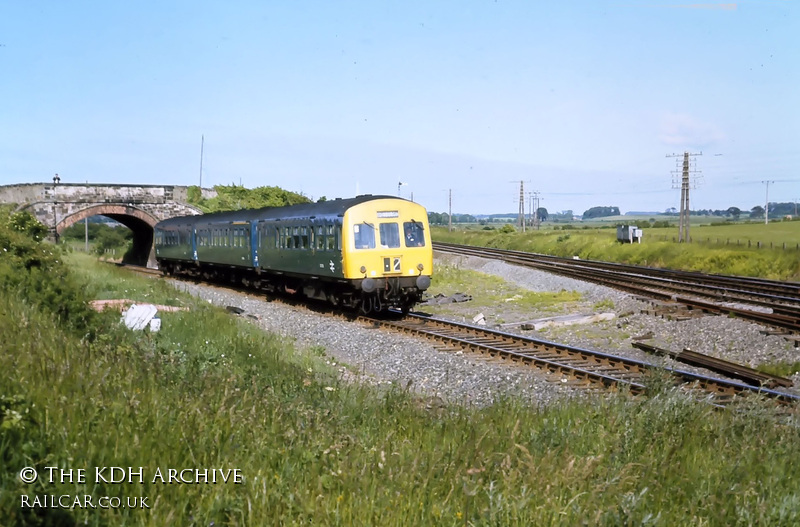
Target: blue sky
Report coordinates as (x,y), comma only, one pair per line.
(580,100)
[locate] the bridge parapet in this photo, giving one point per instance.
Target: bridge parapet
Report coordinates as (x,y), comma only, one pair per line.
(139,207)
(88,193)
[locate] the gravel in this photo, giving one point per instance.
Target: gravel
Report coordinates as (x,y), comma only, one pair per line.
(362,353)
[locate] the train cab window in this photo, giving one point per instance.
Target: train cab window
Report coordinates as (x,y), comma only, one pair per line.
(414,234)
(390,235)
(364,235)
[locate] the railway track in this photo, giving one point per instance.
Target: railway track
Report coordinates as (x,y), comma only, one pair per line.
(574,366)
(775,304)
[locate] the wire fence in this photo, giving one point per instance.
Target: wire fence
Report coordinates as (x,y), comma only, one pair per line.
(735,242)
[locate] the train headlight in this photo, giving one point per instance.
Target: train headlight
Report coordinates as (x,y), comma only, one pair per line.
(420,267)
(363,269)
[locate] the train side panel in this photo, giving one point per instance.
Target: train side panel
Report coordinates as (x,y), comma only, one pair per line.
(301,246)
(225,243)
(174,242)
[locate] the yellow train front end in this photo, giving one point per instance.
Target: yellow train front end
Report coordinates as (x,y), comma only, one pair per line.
(387,253)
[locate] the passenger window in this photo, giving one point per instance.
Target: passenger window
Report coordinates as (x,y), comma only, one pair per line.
(364,235)
(304,237)
(414,234)
(330,239)
(295,238)
(320,238)
(390,235)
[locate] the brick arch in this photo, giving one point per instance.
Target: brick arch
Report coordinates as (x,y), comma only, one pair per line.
(140,222)
(110,210)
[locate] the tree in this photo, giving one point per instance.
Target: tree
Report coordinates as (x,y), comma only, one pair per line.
(541,213)
(734,211)
(600,212)
(757,212)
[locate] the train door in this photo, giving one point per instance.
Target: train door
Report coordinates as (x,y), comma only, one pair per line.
(255,244)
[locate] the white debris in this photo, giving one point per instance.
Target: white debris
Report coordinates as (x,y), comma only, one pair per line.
(140,315)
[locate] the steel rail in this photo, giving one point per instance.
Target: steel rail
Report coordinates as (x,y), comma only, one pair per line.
(785,309)
(585,367)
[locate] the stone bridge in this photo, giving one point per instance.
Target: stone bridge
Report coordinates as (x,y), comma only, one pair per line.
(138,207)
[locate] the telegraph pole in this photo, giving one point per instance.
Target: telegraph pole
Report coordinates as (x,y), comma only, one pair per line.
(766,203)
(450,211)
(683,224)
(530,209)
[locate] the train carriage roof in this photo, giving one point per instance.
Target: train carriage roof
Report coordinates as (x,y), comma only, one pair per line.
(325,209)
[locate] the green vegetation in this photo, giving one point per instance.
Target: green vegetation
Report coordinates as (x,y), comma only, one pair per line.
(210,391)
(33,270)
(103,238)
(233,197)
(781,369)
(655,251)
(488,291)
(600,212)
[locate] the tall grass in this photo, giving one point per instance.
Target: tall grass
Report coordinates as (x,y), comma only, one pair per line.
(211,391)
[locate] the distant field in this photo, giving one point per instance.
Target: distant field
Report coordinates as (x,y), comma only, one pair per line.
(776,233)
(701,229)
(744,249)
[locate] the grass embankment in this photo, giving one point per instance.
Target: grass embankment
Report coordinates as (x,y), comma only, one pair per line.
(489,291)
(211,391)
(601,244)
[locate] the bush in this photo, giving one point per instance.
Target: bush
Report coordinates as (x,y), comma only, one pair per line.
(34,271)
